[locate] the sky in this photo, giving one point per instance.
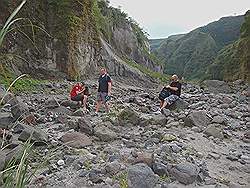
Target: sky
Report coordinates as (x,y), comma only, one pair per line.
(162,18)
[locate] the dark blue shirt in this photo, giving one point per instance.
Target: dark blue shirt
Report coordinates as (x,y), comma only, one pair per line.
(103,83)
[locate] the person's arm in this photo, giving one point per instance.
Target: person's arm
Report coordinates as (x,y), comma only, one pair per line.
(172,88)
(79,92)
(109,88)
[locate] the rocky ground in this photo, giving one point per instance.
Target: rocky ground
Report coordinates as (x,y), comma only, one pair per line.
(201,141)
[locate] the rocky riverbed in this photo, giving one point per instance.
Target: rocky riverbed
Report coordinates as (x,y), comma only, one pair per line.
(202,141)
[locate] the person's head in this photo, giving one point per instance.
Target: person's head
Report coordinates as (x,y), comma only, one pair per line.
(174,78)
(103,71)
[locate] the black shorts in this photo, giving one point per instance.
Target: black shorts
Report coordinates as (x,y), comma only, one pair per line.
(78,97)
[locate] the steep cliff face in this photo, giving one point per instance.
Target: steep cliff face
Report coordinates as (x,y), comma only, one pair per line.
(70,39)
(233,61)
(191,54)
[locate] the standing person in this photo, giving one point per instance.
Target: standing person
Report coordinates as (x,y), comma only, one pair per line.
(80,93)
(104,90)
(175,91)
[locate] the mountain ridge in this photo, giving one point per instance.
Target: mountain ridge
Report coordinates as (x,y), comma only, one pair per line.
(190,54)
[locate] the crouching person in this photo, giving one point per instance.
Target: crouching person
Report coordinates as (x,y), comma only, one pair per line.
(80,93)
(173,94)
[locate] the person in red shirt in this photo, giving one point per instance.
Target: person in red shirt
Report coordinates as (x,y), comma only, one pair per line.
(80,93)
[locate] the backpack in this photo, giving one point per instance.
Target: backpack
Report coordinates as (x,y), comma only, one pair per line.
(164,93)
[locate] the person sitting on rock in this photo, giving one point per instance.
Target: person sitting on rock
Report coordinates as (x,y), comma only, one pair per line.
(174,89)
(80,93)
(104,90)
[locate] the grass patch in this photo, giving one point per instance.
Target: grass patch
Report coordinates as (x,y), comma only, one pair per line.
(22,85)
(122,178)
(156,75)
(26,84)
(164,178)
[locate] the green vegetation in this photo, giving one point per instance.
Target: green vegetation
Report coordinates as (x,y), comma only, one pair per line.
(164,178)
(155,43)
(123,179)
(190,55)
(108,17)
(233,61)
(17,173)
(10,21)
(22,85)
(156,75)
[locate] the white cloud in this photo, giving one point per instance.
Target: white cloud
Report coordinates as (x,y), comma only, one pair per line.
(179,16)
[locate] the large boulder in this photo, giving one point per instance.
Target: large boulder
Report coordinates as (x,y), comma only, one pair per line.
(180,104)
(160,169)
(128,116)
(6,120)
(76,140)
(85,126)
(19,108)
(214,130)
(185,173)
(63,111)
(216,86)
(153,119)
(36,135)
(104,133)
(197,118)
(141,176)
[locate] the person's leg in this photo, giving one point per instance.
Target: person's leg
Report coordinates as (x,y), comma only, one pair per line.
(164,104)
(98,102)
(103,97)
(161,103)
(98,105)
(77,99)
(84,102)
(169,100)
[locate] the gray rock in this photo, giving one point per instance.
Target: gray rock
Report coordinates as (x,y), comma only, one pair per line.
(95,176)
(104,133)
(113,167)
(19,108)
(6,120)
(141,176)
(8,97)
(197,118)
(79,112)
(128,116)
(62,110)
(69,103)
(18,128)
(85,126)
(213,130)
(214,155)
(61,162)
(2,159)
(185,173)
(218,119)
(216,86)
(76,140)
(180,104)
(160,169)
(166,112)
(153,119)
(35,134)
